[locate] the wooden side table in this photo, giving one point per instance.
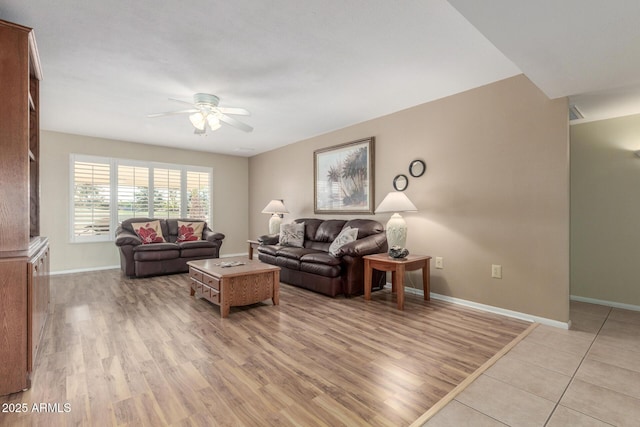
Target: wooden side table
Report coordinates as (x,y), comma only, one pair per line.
(397,267)
(253,244)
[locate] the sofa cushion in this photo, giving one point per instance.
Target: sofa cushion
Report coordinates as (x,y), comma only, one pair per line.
(292,234)
(321,269)
(347,235)
(329,230)
(320,258)
(156,252)
(310,227)
(284,262)
(294,253)
(195,244)
(209,252)
(189,231)
(366,227)
(149,232)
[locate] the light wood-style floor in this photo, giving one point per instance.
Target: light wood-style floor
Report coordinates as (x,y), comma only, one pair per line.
(143,352)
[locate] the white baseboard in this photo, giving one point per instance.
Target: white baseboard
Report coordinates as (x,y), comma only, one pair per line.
(84,270)
(490,309)
(112,267)
(606,303)
(240,254)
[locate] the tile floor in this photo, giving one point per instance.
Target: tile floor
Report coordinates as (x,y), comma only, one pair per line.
(586,376)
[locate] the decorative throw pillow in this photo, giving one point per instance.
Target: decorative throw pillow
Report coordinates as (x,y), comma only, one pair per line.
(292,234)
(149,232)
(347,235)
(189,231)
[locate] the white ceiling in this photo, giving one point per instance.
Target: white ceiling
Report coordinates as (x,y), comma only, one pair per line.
(304,68)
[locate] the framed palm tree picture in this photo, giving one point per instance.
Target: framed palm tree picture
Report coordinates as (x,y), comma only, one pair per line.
(343,178)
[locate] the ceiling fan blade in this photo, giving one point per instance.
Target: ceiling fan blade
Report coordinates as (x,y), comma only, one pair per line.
(169,113)
(235,123)
(233,110)
(181,101)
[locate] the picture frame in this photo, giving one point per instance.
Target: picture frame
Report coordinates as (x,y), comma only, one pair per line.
(343,178)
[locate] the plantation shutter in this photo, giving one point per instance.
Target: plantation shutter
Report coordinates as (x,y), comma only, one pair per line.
(133,192)
(91,199)
(166,193)
(198,191)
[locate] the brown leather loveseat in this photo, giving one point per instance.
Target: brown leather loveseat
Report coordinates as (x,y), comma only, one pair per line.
(170,256)
(311,266)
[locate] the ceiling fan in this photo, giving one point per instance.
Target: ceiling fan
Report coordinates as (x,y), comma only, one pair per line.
(205,111)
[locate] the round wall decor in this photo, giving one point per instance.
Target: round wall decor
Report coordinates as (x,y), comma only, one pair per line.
(400,182)
(417,168)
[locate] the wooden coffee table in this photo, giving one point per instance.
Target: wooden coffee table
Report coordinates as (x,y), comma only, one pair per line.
(240,285)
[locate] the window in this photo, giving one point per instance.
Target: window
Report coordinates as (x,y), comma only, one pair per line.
(91,199)
(107,191)
(133,191)
(167,184)
(198,194)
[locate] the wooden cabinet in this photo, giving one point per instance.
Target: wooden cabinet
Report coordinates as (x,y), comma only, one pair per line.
(24,254)
(38,303)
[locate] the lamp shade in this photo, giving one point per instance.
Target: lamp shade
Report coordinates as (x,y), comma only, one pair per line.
(275,207)
(198,120)
(396,201)
(214,122)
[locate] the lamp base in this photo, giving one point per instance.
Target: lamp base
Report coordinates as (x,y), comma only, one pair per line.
(274,224)
(396,231)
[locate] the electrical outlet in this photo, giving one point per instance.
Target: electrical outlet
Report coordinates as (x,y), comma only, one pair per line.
(496,271)
(439,262)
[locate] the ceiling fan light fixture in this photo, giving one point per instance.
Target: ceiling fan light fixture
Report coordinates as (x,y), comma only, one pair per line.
(198,120)
(214,122)
(205,112)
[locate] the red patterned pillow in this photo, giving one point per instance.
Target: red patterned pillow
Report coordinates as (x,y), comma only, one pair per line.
(189,231)
(149,232)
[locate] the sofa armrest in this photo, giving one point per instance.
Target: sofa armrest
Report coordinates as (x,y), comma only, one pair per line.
(373,244)
(124,238)
(212,236)
(269,239)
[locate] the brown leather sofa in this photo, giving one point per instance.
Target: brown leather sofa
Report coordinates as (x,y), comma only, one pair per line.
(313,267)
(138,260)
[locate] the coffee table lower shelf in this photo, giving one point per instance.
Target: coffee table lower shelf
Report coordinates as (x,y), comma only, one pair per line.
(236,286)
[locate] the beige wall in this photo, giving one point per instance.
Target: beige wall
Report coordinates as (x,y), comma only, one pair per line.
(230,198)
(496,191)
(605,210)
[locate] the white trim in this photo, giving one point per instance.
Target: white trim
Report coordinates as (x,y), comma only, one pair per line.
(606,303)
(490,309)
(73,238)
(114,164)
(117,267)
(235,255)
(84,270)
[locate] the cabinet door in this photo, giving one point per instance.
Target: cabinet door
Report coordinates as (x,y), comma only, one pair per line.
(13,317)
(39,302)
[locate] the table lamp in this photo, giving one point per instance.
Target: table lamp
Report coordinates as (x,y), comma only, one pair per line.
(396,201)
(276,208)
